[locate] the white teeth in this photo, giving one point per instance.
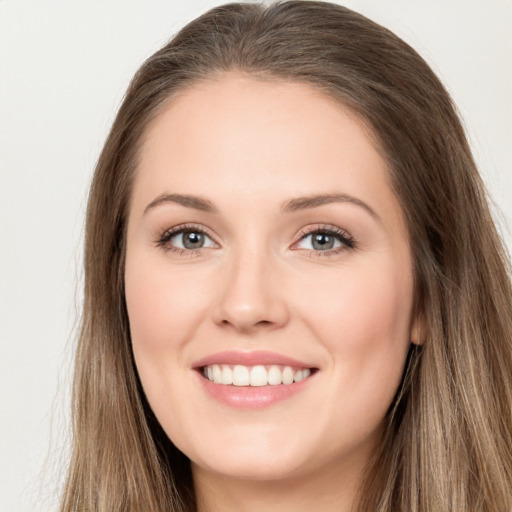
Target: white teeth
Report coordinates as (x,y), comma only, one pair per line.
(217,374)
(274,375)
(298,376)
(301,375)
(240,375)
(287,375)
(258,375)
(227,375)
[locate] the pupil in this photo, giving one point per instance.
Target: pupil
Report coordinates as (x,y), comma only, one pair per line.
(323,242)
(193,240)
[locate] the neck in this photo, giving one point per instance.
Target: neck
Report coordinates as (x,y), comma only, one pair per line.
(327,491)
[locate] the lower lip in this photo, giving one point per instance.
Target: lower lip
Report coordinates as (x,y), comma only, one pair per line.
(252,397)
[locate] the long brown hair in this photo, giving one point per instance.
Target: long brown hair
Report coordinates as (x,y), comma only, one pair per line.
(448,441)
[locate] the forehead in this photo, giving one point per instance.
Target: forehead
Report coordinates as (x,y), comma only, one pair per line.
(252,138)
(262,107)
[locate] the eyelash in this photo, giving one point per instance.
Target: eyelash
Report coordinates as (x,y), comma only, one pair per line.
(347,241)
(166,237)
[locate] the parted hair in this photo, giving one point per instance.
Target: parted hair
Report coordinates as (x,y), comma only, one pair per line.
(447,444)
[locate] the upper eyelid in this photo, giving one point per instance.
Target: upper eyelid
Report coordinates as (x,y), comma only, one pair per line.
(348,241)
(181,228)
(304,232)
(322,228)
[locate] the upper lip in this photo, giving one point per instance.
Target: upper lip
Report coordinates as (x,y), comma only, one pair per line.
(253,358)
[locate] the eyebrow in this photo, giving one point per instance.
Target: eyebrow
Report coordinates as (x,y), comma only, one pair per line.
(195,202)
(290,206)
(314,201)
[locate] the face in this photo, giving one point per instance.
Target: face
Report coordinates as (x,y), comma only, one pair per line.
(268,280)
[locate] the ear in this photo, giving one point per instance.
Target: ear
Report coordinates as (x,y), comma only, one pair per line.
(418,330)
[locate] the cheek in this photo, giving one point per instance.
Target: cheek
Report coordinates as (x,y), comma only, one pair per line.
(364,307)
(362,317)
(158,301)
(164,308)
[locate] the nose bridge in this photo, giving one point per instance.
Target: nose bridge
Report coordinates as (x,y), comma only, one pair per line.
(251,298)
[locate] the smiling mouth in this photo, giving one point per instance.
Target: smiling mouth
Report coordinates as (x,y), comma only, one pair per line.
(255,376)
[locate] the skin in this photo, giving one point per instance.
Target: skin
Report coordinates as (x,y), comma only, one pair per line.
(248,147)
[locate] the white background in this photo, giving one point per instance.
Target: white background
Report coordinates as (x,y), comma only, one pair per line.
(64,67)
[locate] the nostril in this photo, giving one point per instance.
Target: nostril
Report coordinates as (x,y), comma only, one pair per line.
(248,324)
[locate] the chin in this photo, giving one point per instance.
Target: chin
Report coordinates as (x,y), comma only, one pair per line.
(256,470)
(256,462)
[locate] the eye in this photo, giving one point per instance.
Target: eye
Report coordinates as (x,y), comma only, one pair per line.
(186,239)
(325,239)
(191,240)
(319,241)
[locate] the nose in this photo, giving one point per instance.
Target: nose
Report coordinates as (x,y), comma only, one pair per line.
(252,295)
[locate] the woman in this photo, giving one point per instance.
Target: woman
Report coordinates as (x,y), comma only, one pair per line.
(295,296)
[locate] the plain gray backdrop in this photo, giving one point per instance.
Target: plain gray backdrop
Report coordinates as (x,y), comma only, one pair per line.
(64,67)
